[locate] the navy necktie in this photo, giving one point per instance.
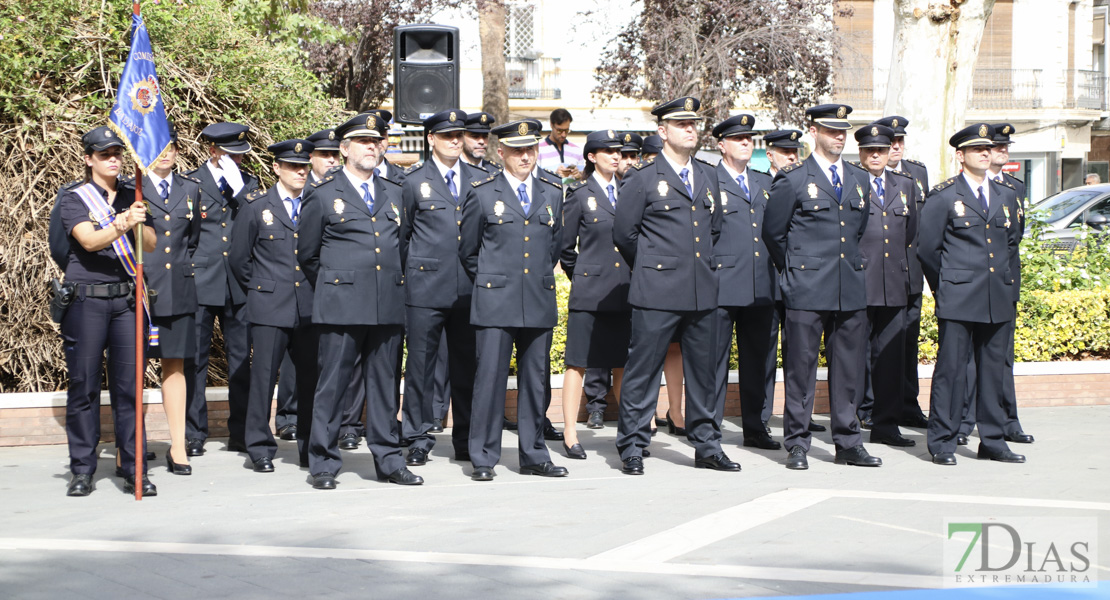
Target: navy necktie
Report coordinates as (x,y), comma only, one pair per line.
(367,197)
(164,192)
(225,189)
(744,187)
(451,185)
(296,202)
(522,193)
(683,175)
(612,198)
(983,200)
(837,185)
(879,189)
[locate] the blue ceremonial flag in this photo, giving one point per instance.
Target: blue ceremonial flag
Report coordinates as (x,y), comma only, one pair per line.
(139,115)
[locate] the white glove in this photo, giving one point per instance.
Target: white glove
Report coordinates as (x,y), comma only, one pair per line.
(232,174)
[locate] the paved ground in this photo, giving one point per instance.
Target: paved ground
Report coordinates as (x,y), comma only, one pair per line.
(676,532)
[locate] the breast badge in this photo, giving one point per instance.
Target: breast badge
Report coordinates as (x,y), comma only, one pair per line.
(425,190)
(663,188)
(812,190)
(499,208)
(959,208)
(592,203)
(724,198)
(338,205)
(267,217)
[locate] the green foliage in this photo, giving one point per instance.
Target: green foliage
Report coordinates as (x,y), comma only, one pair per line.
(287,27)
(1086,267)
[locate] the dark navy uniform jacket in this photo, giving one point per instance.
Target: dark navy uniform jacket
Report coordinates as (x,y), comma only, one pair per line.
(966,254)
(599,274)
(264,261)
(920,176)
(431,224)
(814,239)
(667,236)
(351,256)
(743,264)
(510,255)
(213,277)
(169,269)
(885,244)
(1023,199)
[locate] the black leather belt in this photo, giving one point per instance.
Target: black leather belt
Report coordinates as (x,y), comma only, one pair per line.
(104,290)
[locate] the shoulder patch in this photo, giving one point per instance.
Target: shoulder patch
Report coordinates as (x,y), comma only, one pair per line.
(255,195)
(413,168)
(944,184)
(790,167)
(914,162)
(316,184)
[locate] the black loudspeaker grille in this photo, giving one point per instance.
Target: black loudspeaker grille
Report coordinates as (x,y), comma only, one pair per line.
(426,89)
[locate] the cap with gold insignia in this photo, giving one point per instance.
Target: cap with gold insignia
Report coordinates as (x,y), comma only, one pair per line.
(601,140)
(631,142)
(383,114)
(678,109)
(292,151)
(895,122)
(325,139)
(784,138)
(229,137)
(519,134)
(979,134)
(1002,132)
(653,144)
(830,115)
(741,124)
(100,138)
(874,136)
(367,124)
(446,121)
(479,122)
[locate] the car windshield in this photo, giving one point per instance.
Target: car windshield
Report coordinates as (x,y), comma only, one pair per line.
(1060,205)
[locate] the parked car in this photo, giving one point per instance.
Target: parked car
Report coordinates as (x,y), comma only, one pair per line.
(1065,212)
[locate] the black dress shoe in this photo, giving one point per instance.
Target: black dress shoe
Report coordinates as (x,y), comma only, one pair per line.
(194,447)
(596,420)
(437,426)
(483,474)
(177,469)
(551,434)
(576,451)
(797,459)
(403,476)
(892,440)
(417,457)
(857,456)
(508,425)
(150,456)
(1020,438)
(323,481)
(80,485)
(348,441)
(766,428)
(918,421)
(264,465)
(148,487)
(463,456)
(674,429)
(633,465)
(717,462)
(815,427)
(645,453)
(961,439)
(866,423)
(944,458)
(762,441)
(1004,456)
(236,446)
(288,433)
(547,469)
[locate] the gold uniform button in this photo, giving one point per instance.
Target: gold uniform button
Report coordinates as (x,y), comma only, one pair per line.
(224,209)
(377,267)
(615,249)
(992,254)
(167,234)
(296,284)
(886,255)
(884,213)
(525,255)
(842,240)
(757,253)
(225,238)
(225,253)
(377,250)
(377,234)
(988,226)
(616,264)
(167,250)
(458,222)
(433,207)
(967,224)
(815,207)
(666,207)
(697,254)
(489,285)
(342,219)
(992,269)
(223,224)
(525,271)
(459,237)
(294,235)
(659,266)
(373,219)
(499,221)
(751,210)
(756,239)
(803,267)
(886,227)
(167,217)
(337,281)
(988,240)
(294,250)
(842,223)
(167,265)
(842,207)
(755,224)
(297,268)
(458,208)
(841,255)
(595,219)
(260,287)
(693,208)
(271,237)
(719,265)
(585,274)
(525,221)
(697,239)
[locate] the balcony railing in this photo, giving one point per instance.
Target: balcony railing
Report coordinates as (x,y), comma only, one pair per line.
(865,88)
(1089,90)
(1006,88)
(533,78)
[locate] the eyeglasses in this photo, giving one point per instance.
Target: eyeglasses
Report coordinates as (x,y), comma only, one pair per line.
(560,130)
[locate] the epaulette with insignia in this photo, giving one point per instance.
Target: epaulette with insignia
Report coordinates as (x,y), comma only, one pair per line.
(255,195)
(316,184)
(413,168)
(901,174)
(940,186)
(190,178)
(552,183)
(576,185)
(551,173)
(484,181)
(641,165)
(130,179)
(388,180)
(856,164)
(790,167)
(334,169)
(1007,184)
(914,162)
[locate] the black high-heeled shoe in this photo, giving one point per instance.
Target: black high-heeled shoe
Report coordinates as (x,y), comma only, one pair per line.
(576,451)
(177,469)
(660,422)
(673,429)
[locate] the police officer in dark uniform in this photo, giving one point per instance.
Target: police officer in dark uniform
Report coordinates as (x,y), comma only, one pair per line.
(99,217)
(814,220)
(747,276)
(665,227)
(476,141)
(891,227)
(911,415)
(510,242)
(325,154)
(223,187)
(651,148)
(279,298)
(969,234)
(437,289)
(348,249)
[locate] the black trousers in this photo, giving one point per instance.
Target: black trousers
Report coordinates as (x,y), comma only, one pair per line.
(911,388)
(1011,425)
(427,328)
(236,332)
(495,350)
(287,392)
(845,346)
(777,319)
(986,343)
(270,345)
(442,400)
(886,366)
(91,326)
(340,347)
(753,342)
(595,386)
(652,331)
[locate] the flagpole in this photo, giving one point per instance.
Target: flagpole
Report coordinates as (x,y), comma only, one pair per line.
(140,357)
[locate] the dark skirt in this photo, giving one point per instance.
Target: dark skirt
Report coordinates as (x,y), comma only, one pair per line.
(598,340)
(177,337)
